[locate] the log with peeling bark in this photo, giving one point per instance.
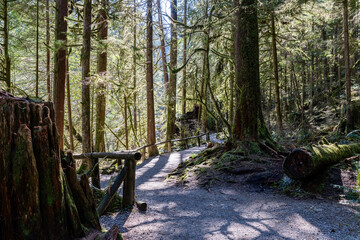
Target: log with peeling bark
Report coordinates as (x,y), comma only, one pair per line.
(304,163)
(41,197)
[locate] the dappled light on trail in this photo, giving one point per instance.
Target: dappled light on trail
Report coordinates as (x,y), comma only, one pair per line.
(226,212)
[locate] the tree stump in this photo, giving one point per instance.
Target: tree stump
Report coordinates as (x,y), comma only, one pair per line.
(38,200)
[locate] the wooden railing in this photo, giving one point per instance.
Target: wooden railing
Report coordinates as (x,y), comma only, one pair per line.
(168,142)
(127,173)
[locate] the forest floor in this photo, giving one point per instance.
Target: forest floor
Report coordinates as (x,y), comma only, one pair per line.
(226,210)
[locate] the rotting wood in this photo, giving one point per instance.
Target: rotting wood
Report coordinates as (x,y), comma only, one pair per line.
(142,206)
(37,198)
(303,163)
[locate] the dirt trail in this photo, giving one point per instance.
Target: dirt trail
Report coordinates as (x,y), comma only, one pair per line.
(227,212)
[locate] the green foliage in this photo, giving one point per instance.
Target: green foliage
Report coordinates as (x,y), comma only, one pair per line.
(353,195)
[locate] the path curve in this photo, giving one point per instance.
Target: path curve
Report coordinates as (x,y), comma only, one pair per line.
(226,212)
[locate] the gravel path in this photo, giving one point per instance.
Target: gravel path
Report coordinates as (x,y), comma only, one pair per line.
(226,212)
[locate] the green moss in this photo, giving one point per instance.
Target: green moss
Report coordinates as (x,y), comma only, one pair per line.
(333,152)
(254,147)
(228,157)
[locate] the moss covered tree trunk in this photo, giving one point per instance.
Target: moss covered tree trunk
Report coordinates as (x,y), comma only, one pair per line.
(38,201)
(171,104)
(101,89)
(248,120)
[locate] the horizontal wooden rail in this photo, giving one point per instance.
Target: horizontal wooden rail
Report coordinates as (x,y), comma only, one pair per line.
(127,175)
(126,155)
(143,148)
(169,141)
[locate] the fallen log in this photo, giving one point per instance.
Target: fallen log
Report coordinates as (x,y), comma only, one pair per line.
(142,206)
(303,163)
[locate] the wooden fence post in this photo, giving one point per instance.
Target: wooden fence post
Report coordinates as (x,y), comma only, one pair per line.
(199,142)
(207,137)
(129,184)
(186,144)
(143,154)
(169,147)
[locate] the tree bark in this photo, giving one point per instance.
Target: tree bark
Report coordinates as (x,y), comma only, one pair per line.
(41,203)
(37,51)
(163,49)
(6,46)
(249,121)
(69,106)
(347,65)
(325,63)
(184,62)
(48,83)
(101,89)
(171,106)
(151,139)
(276,74)
(303,97)
(134,71)
(85,83)
(60,65)
(126,123)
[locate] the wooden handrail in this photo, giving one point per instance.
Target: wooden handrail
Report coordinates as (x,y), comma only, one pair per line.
(171,141)
(128,172)
(126,155)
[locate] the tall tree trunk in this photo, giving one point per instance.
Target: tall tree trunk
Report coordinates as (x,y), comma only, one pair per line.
(232,79)
(151,139)
(69,105)
(134,70)
(163,49)
(85,82)
(303,91)
(276,74)
(335,59)
(204,91)
(126,123)
(171,106)
(325,63)
(286,89)
(206,75)
(48,83)
(295,88)
(347,65)
(311,90)
(60,66)
(101,89)
(249,122)
(184,61)
(6,46)
(37,51)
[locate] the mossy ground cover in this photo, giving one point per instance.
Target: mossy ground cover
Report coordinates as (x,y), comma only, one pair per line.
(220,163)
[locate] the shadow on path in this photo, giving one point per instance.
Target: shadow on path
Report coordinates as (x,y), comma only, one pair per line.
(227,212)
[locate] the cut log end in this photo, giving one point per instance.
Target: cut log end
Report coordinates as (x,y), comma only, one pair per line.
(142,206)
(299,164)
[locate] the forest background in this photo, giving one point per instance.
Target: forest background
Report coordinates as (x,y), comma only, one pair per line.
(303,65)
